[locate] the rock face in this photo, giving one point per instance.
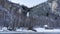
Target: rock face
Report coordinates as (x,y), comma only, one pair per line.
(14,15)
(4,17)
(47,13)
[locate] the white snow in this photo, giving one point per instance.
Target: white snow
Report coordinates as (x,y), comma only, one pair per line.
(45,25)
(37,29)
(24,30)
(46,30)
(1,30)
(4,29)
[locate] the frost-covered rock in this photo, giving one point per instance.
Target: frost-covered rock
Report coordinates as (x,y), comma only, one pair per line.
(5,29)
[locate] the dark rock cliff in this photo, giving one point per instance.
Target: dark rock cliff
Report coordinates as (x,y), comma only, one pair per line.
(47,13)
(14,15)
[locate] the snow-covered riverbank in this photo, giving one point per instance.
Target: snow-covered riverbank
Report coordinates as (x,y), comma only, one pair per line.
(4,29)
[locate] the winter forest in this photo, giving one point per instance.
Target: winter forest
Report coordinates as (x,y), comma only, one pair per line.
(45,15)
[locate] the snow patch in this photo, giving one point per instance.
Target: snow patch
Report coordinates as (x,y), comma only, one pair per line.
(46,30)
(24,30)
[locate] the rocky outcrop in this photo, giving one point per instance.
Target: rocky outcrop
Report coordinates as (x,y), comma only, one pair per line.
(47,13)
(15,15)
(12,14)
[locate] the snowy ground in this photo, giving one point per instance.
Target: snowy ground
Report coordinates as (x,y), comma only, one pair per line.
(47,30)
(40,30)
(4,29)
